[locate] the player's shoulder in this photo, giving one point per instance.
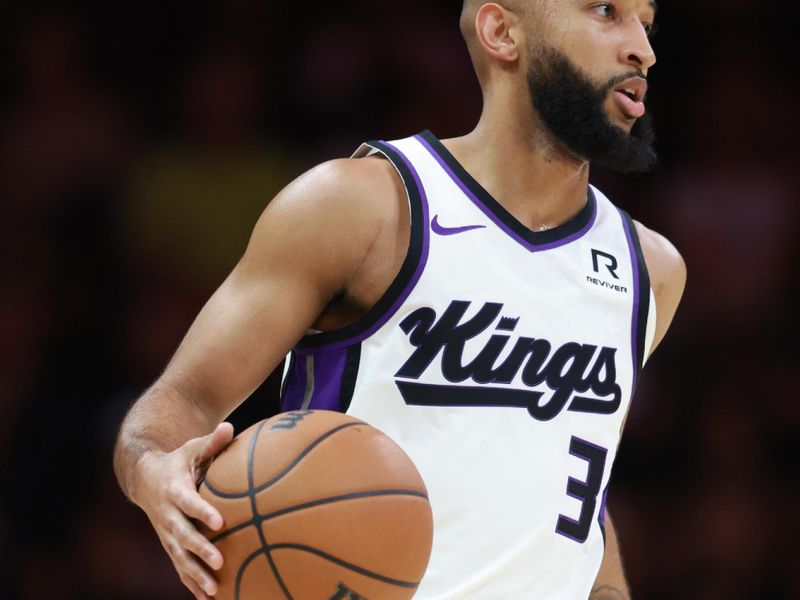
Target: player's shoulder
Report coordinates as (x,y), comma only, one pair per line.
(351,184)
(337,211)
(665,264)
(349,193)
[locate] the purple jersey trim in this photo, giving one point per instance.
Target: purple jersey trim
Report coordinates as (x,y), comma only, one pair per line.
(329,370)
(488,212)
(327,374)
(636,298)
(294,385)
(401,298)
(602,515)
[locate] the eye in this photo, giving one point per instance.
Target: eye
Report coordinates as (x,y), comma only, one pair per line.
(650,29)
(605,10)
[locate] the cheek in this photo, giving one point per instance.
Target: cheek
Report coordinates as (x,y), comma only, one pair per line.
(594,61)
(557,19)
(590,49)
(587,56)
(552,24)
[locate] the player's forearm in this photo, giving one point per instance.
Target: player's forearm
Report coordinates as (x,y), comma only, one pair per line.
(162,419)
(610,583)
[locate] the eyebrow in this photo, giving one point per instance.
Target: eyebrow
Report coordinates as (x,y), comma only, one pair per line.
(654,6)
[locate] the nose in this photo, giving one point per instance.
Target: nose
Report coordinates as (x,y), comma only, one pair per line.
(637,51)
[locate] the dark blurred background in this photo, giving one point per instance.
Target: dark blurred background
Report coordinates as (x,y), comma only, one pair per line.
(140,141)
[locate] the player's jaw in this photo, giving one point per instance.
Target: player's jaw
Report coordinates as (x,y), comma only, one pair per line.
(605,124)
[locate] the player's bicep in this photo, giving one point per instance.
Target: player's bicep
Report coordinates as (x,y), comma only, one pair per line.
(300,256)
(239,336)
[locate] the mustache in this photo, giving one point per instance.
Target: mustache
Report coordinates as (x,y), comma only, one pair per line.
(620,78)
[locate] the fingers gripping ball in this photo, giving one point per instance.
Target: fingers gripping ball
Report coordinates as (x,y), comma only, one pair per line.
(318,506)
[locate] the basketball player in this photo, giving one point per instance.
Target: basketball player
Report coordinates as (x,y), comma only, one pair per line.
(475,298)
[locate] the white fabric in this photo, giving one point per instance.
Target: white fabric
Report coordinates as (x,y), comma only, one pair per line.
(496,476)
(650,336)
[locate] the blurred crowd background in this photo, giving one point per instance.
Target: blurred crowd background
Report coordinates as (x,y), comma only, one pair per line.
(140,141)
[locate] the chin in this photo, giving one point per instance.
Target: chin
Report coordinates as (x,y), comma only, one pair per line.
(622,122)
(627,125)
(619,119)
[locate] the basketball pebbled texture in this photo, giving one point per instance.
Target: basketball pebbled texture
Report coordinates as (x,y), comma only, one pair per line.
(318,505)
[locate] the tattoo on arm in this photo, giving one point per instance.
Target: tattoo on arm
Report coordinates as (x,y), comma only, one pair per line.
(606,592)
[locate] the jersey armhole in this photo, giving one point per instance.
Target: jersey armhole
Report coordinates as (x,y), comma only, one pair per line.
(641,297)
(410,271)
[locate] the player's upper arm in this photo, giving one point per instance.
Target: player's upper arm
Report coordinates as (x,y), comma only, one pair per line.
(304,250)
(667,277)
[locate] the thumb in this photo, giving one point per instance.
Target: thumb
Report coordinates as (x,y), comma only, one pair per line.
(215,442)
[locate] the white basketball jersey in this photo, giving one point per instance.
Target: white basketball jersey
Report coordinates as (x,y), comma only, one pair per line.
(502,361)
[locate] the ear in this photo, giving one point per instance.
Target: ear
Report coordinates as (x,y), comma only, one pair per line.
(499,32)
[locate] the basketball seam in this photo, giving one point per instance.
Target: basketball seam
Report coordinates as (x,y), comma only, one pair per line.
(286,470)
(259,519)
(252,491)
(345,564)
(252,494)
(240,573)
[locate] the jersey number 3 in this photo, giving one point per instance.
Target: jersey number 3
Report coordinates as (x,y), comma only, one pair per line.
(585,491)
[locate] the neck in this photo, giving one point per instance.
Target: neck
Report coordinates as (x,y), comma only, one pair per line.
(523,168)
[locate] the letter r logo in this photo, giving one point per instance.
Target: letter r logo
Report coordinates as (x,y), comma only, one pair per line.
(609,261)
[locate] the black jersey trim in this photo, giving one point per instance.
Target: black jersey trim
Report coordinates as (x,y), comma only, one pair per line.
(602,514)
(349,376)
(286,376)
(406,279)
(565,233)
(641,295)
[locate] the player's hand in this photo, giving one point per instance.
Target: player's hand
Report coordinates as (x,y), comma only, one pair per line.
(167,492)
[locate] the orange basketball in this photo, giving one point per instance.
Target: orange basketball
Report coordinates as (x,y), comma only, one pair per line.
(318,505)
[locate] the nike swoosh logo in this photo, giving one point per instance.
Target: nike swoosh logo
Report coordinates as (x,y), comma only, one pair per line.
(442,230)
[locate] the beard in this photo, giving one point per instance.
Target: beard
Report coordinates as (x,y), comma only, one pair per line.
(571,106)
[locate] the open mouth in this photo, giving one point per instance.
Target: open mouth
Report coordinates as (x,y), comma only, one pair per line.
(630,95)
